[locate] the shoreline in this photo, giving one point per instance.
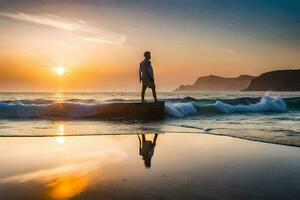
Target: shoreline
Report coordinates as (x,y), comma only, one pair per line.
(158,132)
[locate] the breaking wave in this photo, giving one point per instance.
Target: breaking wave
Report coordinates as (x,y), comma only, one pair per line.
(265,104)
(61,110)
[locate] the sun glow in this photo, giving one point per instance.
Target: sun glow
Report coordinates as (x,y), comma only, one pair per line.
(59,70)
(60,139)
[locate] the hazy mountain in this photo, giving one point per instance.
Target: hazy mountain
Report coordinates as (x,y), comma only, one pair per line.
(283,80)
(217,83)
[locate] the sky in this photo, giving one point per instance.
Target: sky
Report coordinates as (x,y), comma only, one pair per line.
(100,43)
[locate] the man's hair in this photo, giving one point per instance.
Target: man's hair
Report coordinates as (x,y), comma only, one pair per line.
(146,52)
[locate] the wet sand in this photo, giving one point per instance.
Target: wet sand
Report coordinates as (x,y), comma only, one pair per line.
(183,166)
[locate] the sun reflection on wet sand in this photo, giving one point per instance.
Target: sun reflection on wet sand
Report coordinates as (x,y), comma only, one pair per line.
(66,187)
(61,132)
(71,171)
(60,140)
(62,182)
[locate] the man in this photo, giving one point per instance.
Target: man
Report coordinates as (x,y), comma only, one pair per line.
(146,76)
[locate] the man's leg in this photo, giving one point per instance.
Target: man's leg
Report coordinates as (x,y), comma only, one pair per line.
(154,93)
(143,93)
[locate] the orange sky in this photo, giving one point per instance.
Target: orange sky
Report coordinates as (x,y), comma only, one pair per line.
(101,47)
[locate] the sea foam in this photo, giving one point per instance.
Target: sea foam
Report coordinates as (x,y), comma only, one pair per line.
(266,104)
(180,110)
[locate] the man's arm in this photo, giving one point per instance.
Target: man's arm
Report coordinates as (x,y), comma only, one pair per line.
(140,73)
(155,138)
(140,145)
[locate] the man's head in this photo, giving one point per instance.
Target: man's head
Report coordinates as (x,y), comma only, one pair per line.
(147,55)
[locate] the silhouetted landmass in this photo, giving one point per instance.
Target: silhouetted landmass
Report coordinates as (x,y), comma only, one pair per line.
(217,83)
(282,80)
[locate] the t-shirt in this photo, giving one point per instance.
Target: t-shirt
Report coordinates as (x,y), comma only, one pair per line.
(146,70)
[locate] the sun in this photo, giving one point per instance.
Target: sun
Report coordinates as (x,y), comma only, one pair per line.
(59,70)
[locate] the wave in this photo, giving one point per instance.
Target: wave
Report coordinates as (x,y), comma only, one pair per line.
(180,110)
(266,104)
(177,108)
(61,110)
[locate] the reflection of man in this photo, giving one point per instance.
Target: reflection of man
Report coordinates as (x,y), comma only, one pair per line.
(147,149)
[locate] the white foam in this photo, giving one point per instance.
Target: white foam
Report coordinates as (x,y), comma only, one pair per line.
(180,110)
(266,104)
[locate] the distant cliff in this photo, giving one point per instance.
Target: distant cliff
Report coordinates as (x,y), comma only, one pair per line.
(283,80)
(217,83)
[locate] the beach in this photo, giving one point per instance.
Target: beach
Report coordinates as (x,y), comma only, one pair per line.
(183,166)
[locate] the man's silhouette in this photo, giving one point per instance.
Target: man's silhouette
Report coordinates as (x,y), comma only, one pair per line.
(147,149)
(147,76)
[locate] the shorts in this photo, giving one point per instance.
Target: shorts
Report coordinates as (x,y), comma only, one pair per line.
(149,84)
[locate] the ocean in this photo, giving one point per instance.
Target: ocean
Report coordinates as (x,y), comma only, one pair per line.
(271,117)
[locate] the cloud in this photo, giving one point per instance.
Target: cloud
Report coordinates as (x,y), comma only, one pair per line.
(85,32)
(100,39)
(85,162)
